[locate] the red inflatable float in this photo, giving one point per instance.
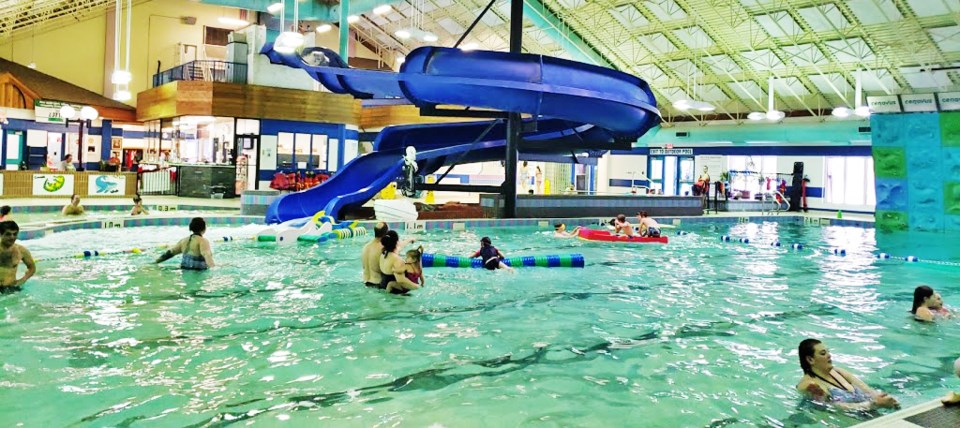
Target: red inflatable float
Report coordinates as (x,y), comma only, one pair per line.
(606,236)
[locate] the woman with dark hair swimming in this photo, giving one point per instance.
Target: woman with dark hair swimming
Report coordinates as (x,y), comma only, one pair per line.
(927,304)
(832,385)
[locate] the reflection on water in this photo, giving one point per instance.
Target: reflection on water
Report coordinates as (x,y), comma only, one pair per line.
(695,333)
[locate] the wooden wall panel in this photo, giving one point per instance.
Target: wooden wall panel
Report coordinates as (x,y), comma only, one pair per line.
(380,116)
(184,98)
(14,94)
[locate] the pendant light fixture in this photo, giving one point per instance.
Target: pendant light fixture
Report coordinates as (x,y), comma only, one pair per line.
(288,41)
(694,103)
(859,109)
(121,77)
(771,114)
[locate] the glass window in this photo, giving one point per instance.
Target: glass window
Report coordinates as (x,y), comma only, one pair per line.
(319,151)
(850,181)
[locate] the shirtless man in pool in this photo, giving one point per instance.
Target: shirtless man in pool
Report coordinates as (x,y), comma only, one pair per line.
(11,255)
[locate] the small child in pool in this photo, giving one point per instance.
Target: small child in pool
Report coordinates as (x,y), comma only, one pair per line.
(491,256)
(138,208)
(413,270)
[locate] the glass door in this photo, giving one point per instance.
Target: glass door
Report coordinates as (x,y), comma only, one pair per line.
(670,175)
(656,173)
(686,178)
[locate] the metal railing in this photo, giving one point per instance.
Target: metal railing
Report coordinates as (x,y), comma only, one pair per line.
(207,71)
(161,181)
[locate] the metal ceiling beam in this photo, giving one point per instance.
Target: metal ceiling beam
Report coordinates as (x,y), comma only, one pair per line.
(563,35)
(312,10)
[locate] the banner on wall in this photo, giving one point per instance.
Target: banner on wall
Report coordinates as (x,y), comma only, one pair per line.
(106,184)
(949,101)
(884,104)
(918,102)
(52,184)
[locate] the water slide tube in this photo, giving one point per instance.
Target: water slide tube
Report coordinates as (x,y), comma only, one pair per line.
(573,102)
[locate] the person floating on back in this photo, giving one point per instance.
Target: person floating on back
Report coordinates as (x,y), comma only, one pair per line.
(11,255)
(138,208)
(74,207)
(560,231)
(197,254)
(491,256)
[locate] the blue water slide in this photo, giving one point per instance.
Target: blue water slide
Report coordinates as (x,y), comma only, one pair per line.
(575,104)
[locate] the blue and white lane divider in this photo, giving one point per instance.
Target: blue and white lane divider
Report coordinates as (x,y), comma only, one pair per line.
(835,251)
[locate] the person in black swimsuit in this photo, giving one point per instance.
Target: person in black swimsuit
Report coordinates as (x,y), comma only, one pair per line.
(491,256)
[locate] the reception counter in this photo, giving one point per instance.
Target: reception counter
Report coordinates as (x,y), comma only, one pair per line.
(571,206)
(206,180)
(62,184)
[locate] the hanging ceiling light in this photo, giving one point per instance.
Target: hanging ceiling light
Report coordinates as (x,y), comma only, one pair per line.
(469,46)
(323,28)
(841,112)
(274,8)
(353,19)
(288,41)
(415,33)
(382,9)
(771,114)
(861,110)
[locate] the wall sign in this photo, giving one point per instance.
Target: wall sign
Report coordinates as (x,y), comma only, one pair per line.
(53,184)
(49,111)
(106,184)
(670,152)
(918,102)
(949,101)
(884,104)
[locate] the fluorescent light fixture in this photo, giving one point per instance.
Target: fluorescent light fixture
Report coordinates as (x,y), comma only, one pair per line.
(323,28)
(122,95)
(403,34)
(401,59)
(430,37)
(288,42)
(775,115)
(232,21)
(32,66)
(693,105)
(756,115)
(120,77)
(862,111)
(382,9)
(841,112)
(353,19)
(274,8)
(469,46)
(681,105)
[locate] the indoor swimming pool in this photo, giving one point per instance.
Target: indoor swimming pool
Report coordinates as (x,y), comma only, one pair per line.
(698,332)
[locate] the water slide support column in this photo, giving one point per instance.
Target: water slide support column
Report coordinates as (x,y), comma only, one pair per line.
(513,119)
(344,30)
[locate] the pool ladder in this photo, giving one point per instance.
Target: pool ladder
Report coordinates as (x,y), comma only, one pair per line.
(777,206)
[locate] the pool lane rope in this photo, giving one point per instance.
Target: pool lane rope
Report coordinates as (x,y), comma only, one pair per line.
(835,251)
(563,260)
(89,254)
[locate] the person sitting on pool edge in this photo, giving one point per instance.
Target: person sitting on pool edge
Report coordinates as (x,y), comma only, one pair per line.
(197,254)
(138,208)
(491,256)
(954,398)
(648,226)
(560,231)
(74,207)
(11,255)
(827,384)
(621,225)
(927,304)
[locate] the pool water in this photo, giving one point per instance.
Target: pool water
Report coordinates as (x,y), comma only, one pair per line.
(41,218)
(695,333)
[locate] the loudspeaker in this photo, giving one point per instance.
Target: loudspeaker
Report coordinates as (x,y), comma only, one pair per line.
(796,187)
(682,134)
(188,20)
